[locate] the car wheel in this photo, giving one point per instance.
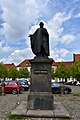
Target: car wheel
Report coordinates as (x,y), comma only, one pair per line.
(14,91)
(66,92)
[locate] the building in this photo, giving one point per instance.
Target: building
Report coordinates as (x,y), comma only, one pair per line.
(26,62)
(8,66)
(76,57)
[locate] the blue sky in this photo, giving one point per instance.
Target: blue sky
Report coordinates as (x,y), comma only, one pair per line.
(19,18)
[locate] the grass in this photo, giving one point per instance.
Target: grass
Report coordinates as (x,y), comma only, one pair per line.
(76,94)
(12,117)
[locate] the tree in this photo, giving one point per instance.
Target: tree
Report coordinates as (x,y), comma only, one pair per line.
(13,73)
(3,71)
(75,70)
(23,73)
(62,71)
(52,73)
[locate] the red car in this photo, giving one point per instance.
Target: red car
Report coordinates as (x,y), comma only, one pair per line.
(12,87)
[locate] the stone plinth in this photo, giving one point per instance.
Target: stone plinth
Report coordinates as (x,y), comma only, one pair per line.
(40,96)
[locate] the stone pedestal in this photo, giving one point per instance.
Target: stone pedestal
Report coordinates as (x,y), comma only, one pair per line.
(40,96)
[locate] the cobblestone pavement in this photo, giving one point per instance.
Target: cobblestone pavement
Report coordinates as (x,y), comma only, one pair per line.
(70,101)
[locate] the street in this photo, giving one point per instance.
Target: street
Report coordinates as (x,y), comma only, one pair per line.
(75,89)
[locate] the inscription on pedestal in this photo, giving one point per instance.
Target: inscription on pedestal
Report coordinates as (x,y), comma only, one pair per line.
(40,71)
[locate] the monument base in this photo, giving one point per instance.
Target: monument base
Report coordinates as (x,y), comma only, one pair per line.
(58,113)
(40,96)
(40,101)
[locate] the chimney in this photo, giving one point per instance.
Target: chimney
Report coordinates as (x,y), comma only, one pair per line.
(73,57)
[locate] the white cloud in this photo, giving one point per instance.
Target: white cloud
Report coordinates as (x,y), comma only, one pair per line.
(77,15)
(4,50)
(18,16)
(44,8)
(59,55)
(67,39)
(18,56)
(55,27)
(63,52)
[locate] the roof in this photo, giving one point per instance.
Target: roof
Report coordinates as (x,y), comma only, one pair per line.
(68,64)
(55,63)
(9,65)
(25,63)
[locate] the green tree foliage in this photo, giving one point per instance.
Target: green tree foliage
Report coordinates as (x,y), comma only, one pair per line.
(3,71)
(23,73)
(75,70)
(52,73)
(62,71)
(13,73)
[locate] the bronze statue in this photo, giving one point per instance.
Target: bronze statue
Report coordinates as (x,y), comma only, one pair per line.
(40,41)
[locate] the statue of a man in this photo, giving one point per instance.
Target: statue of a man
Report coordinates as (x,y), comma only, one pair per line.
(40,41)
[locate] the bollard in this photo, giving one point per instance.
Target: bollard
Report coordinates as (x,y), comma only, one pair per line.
(3,89)
(18,92)
(62,88)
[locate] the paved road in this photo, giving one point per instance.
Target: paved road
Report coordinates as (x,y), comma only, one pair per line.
(75,89)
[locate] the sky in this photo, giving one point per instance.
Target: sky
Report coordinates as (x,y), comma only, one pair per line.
(19,18)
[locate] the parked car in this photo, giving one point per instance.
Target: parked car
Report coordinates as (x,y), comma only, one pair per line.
(78,83)
(24,85)
(28,80)
(56,88)
(70,83)
(12,87)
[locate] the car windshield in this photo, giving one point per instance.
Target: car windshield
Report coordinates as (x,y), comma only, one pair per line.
(55,85)
(23,83)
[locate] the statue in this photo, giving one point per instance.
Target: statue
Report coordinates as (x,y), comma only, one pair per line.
(40,41)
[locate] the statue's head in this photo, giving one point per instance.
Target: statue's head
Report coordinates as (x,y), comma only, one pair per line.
(41,24)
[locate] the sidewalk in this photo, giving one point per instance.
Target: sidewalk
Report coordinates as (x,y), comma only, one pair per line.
(71,102)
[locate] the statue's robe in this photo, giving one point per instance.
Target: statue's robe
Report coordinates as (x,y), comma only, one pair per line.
(40,40)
